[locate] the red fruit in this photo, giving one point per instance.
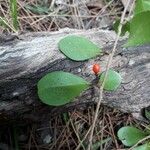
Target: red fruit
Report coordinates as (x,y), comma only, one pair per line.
(96,68)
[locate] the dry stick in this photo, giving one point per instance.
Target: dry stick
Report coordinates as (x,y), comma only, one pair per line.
(77,135)
(100,12)
(52,5)
(83,139)
(45,16)
(76,14)
(144,139)
(107,68)
(65,15)
(113,134)
(132,6)
(7,24)
(81,19)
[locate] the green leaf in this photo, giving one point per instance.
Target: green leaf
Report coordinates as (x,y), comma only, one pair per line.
(14,14)
(147,113)
(58,88)
(38,9)
(143,147)
(113,80)
(130,135)
(142,5)
(125,27)
(78,48)
(139,29)
(3,22)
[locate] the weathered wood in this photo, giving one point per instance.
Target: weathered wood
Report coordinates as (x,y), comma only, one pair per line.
(24,60)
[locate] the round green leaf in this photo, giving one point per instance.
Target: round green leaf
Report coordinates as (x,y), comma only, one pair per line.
(58,88)
(113,80)
(142,5)
(78,48)
(130,135)
(143,147)
(139,29)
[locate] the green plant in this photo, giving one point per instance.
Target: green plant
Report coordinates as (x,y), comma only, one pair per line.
(113,80)
(58,88)
(38,9)
(78,48)
(139,30)
(125,28)
(138,25)
(131,135)
(13,12)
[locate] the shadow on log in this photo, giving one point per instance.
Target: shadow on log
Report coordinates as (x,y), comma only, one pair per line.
(25,59)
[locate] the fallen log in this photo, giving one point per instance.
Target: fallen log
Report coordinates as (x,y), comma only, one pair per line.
(28,57)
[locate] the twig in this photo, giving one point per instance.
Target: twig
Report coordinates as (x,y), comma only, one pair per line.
(76,133)
(113,134)
(132,6)
(66,15)
(105,77)
(7,24)
(83,139)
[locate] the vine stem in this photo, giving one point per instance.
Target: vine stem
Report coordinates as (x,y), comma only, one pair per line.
(105,77)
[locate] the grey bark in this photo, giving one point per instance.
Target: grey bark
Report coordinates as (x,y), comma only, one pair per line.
(28,57)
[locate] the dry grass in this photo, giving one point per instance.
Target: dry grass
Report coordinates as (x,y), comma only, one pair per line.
(66,132)
(51,15)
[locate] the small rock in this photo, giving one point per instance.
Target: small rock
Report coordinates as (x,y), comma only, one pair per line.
(47,139)
(79,70)
(131,62)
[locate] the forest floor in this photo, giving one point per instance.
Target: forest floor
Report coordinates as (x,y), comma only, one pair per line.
(65,132)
